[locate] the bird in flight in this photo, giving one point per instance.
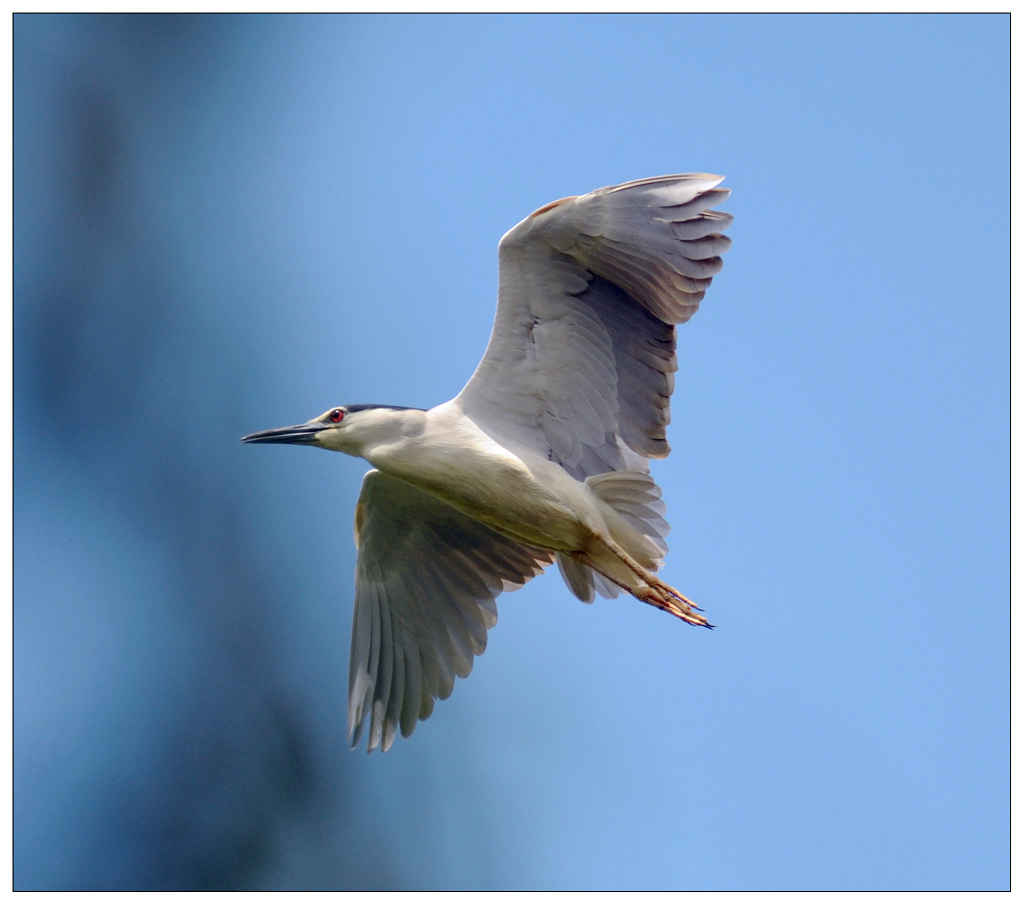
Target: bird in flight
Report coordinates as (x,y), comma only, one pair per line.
(543,456)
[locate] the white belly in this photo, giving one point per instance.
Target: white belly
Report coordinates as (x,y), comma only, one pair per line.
(531,500)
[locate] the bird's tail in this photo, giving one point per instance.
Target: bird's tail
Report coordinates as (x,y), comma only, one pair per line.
(636,523)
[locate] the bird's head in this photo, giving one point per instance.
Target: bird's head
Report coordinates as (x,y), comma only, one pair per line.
(345,428)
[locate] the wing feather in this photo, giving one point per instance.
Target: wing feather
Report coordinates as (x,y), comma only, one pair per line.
(581,359)
(426,580)
(384,665)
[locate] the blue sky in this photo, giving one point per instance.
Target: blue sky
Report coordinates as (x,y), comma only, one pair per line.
(325,198)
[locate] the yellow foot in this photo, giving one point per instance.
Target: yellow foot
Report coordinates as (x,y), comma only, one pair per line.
(671,601)
(665,588)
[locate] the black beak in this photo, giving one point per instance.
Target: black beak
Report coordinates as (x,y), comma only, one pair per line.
(300,433)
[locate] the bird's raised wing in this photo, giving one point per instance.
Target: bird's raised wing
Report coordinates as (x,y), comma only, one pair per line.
(580,363)
(426,580)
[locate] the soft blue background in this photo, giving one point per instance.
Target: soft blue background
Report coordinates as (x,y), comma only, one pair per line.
(229,224)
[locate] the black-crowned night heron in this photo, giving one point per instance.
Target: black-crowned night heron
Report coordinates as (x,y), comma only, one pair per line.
(542,458)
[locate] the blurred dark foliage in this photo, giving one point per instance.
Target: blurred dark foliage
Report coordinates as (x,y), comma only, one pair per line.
(106,361)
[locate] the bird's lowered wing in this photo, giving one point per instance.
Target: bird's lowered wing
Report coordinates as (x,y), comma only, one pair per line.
(426,580)
(580,363)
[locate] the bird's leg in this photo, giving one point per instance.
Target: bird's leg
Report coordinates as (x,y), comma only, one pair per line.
(657,593)
(647,576)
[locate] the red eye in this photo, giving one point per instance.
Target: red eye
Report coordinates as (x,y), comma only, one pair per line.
(337,415)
